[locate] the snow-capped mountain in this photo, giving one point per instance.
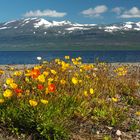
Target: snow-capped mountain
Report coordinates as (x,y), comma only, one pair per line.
(40,23)
(35,23)
(41,33)
(123,27)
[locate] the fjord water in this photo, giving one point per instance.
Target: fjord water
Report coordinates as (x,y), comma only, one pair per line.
(29,57)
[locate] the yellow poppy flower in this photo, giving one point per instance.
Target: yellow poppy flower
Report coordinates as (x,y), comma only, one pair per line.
(86,93)
(33,103)
(46,73)
(9,81)
(74,80)
(56,78)
(53,72)
(41,78)
(114,99)
(47,91)
(13,85)
(91,91)
(17,73)
(27,79)
(44,101)
(1,101)
(57,60)
(138,113)
(50,79)
(67,57)
(63,82)
(45,62)
(7,93)
(121,71)
(27,92)
(1,72)
(11,68)
(37,67)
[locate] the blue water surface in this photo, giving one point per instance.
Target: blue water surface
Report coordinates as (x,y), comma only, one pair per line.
(29,57)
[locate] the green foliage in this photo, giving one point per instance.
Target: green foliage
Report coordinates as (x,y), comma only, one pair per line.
(48,121)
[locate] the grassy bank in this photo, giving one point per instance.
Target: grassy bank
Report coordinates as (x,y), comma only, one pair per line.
(70,100)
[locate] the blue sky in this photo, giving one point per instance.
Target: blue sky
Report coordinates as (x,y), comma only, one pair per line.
(81,11)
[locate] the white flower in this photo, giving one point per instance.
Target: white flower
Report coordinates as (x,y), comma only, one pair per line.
(39,58)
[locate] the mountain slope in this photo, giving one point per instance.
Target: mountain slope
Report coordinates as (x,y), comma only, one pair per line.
(40,34)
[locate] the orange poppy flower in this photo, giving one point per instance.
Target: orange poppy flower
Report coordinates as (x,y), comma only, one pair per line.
(35,73)
(51,87)
(40,86)
(17,90)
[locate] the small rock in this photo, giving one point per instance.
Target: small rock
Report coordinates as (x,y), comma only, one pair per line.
(127,135)
(118,133)
(138,118)
(110,128)
(93,130)
(119,138)
(97,132)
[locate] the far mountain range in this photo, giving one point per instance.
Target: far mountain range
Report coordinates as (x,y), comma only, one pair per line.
(37,34)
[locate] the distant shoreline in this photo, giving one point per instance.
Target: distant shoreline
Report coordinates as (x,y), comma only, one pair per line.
(17,66)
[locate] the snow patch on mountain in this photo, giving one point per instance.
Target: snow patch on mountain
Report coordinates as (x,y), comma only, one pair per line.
(129,26)
(42,22)
(138,24)
(83,25)
(77,28)
(61,23)
(73,26)
(29,19)
(26,22)
(2,28)
(47,24)
(137,29)
(9,22)
(125,27)
(111,28)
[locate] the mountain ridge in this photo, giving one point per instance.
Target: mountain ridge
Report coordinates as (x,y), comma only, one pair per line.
(40,22)
(41,34)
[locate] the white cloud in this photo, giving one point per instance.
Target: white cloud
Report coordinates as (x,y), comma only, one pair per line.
(117,10)
(134,12)
(47,13)
(95,12)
